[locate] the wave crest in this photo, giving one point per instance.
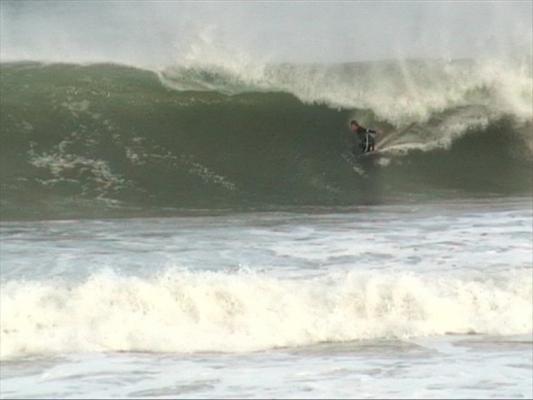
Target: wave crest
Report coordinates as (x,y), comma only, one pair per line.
(397,92)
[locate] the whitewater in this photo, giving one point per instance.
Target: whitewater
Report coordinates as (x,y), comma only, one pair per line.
(386,301)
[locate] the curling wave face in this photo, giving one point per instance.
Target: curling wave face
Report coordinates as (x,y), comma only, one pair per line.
(99,140)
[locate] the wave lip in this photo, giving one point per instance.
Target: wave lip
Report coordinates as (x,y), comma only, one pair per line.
(190,312)
(398,92)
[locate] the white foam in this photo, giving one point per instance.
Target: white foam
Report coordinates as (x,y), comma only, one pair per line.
(398,92)
(59,162)
(188,312)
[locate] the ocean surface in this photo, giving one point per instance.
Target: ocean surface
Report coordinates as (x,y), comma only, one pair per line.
(205,232)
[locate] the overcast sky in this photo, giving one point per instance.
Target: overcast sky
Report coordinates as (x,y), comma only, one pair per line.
(156,33)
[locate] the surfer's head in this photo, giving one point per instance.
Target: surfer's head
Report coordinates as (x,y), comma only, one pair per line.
(354,125)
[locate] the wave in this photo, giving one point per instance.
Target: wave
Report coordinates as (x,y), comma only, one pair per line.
(191,312)
(106,140)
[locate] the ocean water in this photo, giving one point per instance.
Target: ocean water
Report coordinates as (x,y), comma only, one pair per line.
(416,300)
(204,230)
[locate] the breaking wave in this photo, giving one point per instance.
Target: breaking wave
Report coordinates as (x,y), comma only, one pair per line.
(103,139)
(190,312)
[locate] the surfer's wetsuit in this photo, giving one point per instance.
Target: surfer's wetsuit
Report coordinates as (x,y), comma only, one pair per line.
(367,140)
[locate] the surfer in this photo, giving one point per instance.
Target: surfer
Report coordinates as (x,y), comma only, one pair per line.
(365,136)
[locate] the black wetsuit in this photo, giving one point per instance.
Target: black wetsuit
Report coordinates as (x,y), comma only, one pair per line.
(367,140)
